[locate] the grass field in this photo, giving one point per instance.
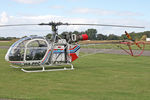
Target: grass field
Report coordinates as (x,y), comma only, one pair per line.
(96,77)
(6,43)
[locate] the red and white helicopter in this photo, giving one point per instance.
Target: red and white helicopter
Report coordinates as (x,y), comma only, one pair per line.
(34,51)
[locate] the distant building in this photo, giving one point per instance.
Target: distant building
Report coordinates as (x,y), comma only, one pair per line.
(147,39)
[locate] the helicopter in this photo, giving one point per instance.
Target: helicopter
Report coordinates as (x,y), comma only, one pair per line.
(40,52)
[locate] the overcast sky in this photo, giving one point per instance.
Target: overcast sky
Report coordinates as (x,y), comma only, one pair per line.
(123,12)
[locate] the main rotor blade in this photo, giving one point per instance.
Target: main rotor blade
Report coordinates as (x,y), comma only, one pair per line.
(59,24)
(107,25)
(18,25)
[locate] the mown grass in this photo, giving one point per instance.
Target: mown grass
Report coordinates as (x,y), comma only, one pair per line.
(96,77)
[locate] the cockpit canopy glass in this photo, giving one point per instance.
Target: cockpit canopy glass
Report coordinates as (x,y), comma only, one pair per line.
(28,48)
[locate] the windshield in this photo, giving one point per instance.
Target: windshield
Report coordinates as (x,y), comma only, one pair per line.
(16,51)
(28,48)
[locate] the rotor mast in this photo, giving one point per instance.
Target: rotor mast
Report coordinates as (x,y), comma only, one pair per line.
(53,27)
(53,38)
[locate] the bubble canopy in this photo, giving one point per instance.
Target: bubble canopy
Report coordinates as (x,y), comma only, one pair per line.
(31,48)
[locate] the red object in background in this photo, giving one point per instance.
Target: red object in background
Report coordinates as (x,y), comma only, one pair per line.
(84,37)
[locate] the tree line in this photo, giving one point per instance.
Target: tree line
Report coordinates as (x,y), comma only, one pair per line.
(93,35)
(7,38)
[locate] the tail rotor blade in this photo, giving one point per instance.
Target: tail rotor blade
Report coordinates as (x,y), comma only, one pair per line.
(130,38)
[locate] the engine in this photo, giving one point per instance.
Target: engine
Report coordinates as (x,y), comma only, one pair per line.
(71,38)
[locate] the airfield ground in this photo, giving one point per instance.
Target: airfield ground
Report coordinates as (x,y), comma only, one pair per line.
(96,77)
(107,47)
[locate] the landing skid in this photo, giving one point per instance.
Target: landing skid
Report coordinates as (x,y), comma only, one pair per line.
(43,69)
